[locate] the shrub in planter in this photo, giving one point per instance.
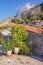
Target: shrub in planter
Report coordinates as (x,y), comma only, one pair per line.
(8,45)
(19,35)
(17,45)
(21,48)
(16,48)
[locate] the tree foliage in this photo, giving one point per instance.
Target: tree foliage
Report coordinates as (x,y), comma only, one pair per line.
(19,33)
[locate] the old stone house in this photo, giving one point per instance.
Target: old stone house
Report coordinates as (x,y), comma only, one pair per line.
(35,35)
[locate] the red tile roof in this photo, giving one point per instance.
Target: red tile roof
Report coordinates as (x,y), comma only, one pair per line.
(27,27)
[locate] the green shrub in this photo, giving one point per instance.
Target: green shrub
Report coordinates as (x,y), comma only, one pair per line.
(27,21)
(19,34)
(31,46)
(24,50)
(37,17)
(30,43)
(41,16)
(18,44)
(16,21)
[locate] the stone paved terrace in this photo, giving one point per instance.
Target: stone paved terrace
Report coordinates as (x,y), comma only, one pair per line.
(19,60)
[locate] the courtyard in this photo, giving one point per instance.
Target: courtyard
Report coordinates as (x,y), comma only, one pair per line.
(19,59)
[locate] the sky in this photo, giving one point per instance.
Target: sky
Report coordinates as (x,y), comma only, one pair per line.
(9,8)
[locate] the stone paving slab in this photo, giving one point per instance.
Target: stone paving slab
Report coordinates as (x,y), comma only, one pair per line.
(19,60)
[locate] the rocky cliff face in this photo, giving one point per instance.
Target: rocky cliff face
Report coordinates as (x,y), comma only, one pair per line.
(27,13)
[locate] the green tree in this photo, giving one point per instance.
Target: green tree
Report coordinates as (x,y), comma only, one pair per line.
(19,34)
(41,15)
(27,20)
(16,21)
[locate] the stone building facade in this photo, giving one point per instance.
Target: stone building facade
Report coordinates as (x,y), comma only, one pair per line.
(37,40)
(35,35)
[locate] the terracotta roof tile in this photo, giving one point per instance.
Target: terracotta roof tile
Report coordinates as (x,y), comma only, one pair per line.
(28,28)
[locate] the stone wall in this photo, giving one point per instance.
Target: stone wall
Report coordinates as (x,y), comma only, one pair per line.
(37,39)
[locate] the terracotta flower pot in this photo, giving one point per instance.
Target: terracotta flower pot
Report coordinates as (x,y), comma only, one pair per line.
(16,50)
(9,53)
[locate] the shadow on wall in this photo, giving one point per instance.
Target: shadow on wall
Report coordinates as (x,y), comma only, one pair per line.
(1,51)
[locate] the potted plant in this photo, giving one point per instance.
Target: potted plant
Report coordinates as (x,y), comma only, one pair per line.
(8,45)
(21,48)
(19,35)
(16,50)
(16,47)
